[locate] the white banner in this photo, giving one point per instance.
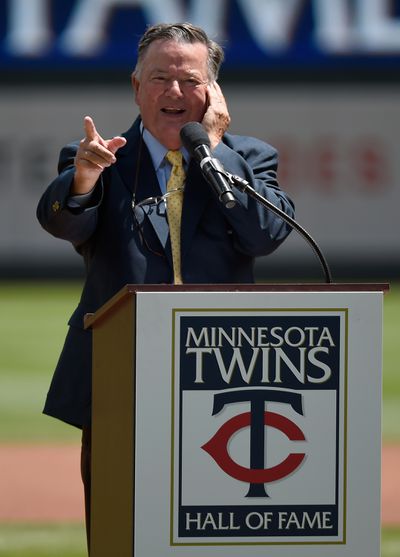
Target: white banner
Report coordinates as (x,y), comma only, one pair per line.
(338,161)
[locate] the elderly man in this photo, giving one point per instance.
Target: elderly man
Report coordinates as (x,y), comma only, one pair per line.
(109,200)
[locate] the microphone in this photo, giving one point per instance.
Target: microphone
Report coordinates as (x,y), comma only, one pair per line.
(196,141)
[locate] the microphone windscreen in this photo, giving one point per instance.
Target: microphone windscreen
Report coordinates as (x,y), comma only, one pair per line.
(192,135)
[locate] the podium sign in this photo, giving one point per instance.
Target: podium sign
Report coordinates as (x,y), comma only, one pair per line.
(259,425)
(255,424)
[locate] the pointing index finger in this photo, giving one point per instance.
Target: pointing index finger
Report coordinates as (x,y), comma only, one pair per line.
(90,131)
(90,128)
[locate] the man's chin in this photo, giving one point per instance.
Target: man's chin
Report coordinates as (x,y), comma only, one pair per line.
(171,138)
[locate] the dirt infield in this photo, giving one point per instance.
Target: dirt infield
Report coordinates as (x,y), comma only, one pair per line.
(42,484)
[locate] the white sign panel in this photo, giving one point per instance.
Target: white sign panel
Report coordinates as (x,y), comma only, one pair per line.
(249,436)
(337,150)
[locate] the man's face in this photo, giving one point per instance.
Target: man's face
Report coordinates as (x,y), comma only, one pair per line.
(171,88)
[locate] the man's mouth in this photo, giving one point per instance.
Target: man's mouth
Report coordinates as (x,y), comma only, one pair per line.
(173,111)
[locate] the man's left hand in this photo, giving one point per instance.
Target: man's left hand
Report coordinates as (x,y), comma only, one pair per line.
(216,119)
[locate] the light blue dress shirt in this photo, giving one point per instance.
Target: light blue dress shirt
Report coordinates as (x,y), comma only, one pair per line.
(157,153)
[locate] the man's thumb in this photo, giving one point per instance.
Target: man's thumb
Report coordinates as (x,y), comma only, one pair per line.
(116,143)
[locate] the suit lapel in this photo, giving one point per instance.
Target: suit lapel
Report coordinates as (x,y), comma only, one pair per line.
(135,168)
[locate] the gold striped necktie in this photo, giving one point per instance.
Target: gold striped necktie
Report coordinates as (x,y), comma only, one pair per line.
(174,209)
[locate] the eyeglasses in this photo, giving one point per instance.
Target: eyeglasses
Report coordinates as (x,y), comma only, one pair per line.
(146,207)
(157,202)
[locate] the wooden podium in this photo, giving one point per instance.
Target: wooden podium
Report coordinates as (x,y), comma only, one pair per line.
(237,420)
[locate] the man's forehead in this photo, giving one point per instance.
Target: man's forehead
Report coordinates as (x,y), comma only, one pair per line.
(167,55)
(184,70)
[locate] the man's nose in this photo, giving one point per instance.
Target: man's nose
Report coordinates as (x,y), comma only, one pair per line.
(174,88)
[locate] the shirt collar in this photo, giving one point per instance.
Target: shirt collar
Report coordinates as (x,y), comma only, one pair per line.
(157,150)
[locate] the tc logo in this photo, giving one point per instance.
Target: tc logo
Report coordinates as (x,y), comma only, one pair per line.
(257,419)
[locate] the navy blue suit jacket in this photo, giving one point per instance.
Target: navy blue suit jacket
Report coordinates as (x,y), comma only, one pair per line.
(218,244)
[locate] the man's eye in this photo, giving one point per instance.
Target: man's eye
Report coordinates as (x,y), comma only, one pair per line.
(191,83)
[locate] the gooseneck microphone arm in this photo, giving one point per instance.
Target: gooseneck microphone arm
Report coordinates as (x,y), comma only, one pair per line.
(245,187)
(197,142)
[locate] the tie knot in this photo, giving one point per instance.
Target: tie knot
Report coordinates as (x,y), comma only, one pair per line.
(175,158)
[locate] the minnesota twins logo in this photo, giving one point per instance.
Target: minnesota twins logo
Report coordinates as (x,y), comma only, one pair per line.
(257,427)
(257,419)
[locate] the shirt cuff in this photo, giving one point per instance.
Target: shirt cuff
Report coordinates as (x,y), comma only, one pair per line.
(80,202)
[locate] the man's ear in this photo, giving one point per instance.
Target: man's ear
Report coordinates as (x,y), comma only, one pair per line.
(135,85)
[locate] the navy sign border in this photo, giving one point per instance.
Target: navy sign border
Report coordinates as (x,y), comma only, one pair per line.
(221,514)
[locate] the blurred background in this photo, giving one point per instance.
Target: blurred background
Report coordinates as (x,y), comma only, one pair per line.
(318,79)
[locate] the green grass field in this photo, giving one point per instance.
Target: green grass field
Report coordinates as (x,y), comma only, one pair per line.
(28,540)
(33,323)
(67,541)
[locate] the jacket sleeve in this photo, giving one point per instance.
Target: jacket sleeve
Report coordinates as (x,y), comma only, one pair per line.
(58,215)
(256,230)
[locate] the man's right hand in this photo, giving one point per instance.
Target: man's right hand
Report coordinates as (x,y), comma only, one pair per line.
(93,156)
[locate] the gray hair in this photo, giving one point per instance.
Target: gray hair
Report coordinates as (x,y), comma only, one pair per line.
(183,33)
